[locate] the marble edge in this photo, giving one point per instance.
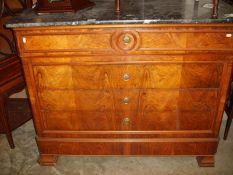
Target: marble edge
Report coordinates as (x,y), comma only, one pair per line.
(96,22)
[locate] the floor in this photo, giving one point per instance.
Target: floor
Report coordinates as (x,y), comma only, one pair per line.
(23,160)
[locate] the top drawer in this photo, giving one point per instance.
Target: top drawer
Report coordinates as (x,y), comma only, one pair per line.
(124,40)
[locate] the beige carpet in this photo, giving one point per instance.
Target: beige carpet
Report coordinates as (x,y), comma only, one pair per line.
(22,160)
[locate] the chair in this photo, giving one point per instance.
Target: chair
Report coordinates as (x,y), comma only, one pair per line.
(11,77)
(229,111)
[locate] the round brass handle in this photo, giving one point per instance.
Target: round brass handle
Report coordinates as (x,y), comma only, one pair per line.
(126,39)
(126,77)
(126,121)
(126,100)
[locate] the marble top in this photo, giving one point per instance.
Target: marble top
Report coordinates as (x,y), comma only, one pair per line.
(132,12)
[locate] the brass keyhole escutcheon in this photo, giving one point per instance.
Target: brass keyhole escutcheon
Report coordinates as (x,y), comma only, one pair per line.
(126,121)
(126,100)
(126,77)
(126,39)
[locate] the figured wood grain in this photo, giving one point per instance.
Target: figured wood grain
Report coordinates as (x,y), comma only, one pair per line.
(67,42)
(109,76)
(178,79)
(150,100)
(213,40)
(107,40)
(162,40)
(146,110)
(127,146)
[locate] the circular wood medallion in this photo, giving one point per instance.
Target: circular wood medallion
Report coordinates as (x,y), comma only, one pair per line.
(125,41)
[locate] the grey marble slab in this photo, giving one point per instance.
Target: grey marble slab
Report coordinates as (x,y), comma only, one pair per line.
(132,12)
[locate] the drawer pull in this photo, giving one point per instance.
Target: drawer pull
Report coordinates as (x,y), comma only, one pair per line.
(126,77)
(126,121)
(24,40)
(126,100)
(228,35)
(126,39)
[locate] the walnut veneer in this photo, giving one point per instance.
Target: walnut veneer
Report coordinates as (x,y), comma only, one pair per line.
(127,89)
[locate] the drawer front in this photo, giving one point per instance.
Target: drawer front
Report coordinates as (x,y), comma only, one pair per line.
(112,121)
(129,97)
(145,110)
(125,40)
(192,75)
(145,100)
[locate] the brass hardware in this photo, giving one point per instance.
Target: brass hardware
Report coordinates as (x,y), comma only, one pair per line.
(24,40)
(126,77)
(126,121)
(126,39)
(126,100)
(228,35)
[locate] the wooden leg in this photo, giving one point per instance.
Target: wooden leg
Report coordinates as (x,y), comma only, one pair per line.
(229,120)
(215,9)
(29,3)
(47,159)
(5,120)
(228,125)
(205,161)
(117,6)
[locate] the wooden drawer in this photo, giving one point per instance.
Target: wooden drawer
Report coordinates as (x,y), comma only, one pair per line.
(125,40)
(192,75)
(145,100)
(145,110)
(128,120)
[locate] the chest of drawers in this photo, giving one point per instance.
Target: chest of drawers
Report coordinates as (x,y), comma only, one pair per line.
(127,89)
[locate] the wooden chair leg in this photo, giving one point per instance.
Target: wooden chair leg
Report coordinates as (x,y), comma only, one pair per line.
(228,125)
(5,120)
(215,9)
(117,6)
(29,3)
(229,117)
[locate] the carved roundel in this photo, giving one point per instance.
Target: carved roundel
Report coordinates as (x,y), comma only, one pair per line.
(125,40)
